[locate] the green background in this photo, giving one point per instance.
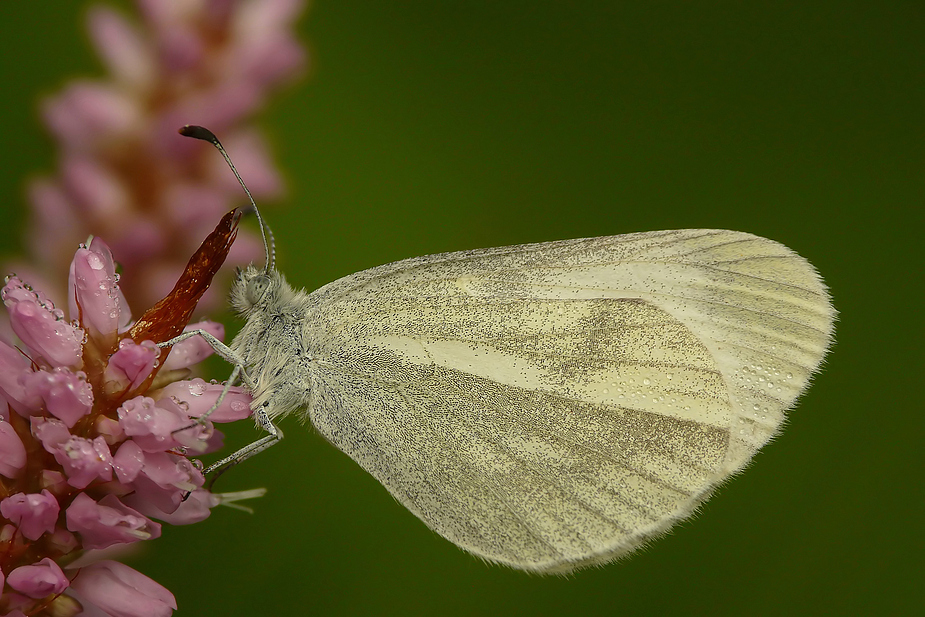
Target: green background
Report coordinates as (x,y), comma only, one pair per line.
(427,127)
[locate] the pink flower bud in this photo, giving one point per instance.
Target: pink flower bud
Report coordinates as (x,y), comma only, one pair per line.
(131,365)
(128,461)
(196,349)
(93,292)
(200,396)
(108,522)
(95,186)
(39,580)
(12,451)
(66,394)
(120,591)
(86,112)
(54,481)
(84,460)
(14,366)
(62,541)
(41,326)
(197,507)
(151,426)
(192,436)
(171,471)
(51,432)
(110,430)
(34,514)
(125,51)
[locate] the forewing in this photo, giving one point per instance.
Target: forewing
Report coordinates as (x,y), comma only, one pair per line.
(554,405)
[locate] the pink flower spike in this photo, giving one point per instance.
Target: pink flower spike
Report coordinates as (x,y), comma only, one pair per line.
(200,396)
(84,460)
(42,579)
(131,365)
(93,292)
(41,326)
(66,395)
(196,349)
(151,426)
(34,514)
(12,452)
(108,522)
(120,591)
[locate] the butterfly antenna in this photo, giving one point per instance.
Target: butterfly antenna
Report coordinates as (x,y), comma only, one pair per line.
(269,246)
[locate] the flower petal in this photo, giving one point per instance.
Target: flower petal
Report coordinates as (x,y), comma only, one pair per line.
(41,326)
(12,452)
(108,522)
(121,591)
(38,580)
(200,396)
(196,349)
(93,292)
(34,514)
(66,394)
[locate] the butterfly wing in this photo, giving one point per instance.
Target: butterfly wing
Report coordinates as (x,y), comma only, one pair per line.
(555,405)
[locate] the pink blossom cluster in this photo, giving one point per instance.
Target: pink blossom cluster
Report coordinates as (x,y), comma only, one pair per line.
(124,173)
(96,434)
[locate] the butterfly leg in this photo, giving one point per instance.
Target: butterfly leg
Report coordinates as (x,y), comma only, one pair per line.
(260,414)
(223,350)
(252,449)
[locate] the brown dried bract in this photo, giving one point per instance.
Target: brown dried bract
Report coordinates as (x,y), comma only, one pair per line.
(169,316)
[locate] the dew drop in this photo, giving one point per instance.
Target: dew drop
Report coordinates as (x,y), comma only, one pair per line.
(95,262)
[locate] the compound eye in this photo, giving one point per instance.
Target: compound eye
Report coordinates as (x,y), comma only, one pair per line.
(257,287)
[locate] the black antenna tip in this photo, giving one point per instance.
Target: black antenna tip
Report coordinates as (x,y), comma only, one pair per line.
(198,132)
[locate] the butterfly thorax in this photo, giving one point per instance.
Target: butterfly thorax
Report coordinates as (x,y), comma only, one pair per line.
(270,345)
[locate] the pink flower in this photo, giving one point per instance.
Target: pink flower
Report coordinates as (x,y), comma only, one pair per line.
(12,451)
(131,365)
(39,580)
(84,460)
(193,350)
(34,514)
(120,591)
(40,326)
(75,406)
(107,522)
(65,394)
(94,290)
(200,396)
(14,366)
(151,427)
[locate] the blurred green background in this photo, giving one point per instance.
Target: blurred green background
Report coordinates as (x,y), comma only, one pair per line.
(427,127)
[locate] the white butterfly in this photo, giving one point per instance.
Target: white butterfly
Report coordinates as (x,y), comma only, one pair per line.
(545,406)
